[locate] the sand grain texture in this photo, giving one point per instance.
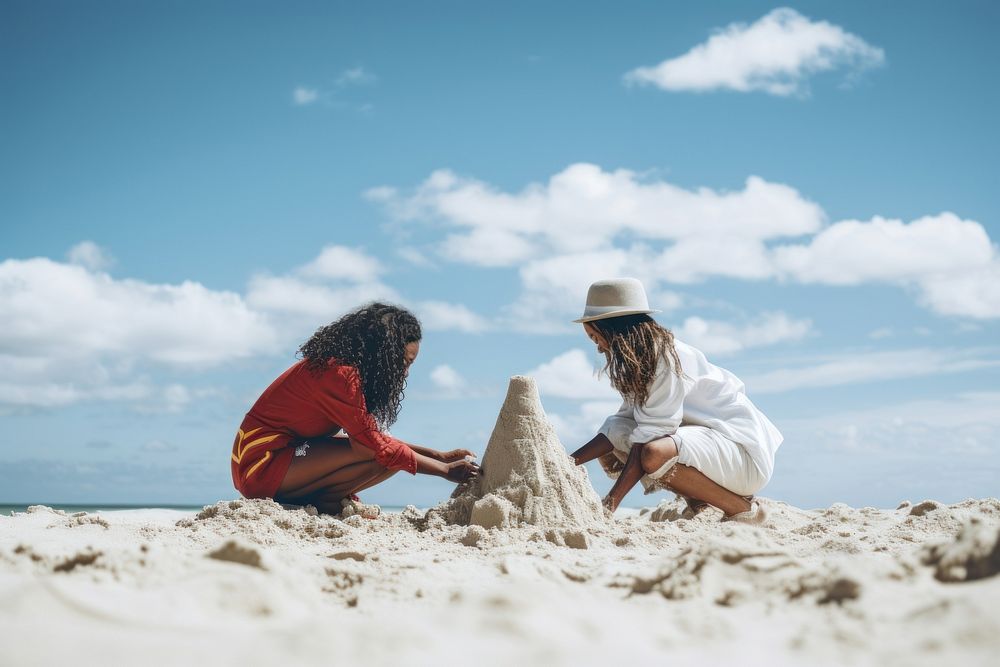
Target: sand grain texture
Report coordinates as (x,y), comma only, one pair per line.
(248,582)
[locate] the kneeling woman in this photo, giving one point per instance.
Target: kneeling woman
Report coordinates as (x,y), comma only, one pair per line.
(684,424)
(318,434)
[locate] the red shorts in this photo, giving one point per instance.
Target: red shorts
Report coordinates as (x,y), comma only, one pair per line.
(259,462)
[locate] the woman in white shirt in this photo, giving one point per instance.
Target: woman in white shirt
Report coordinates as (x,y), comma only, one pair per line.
(685,424)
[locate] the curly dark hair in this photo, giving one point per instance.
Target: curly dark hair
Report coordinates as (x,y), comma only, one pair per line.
(636,343)
(373,340)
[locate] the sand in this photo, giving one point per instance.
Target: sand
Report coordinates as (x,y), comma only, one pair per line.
(521,567)
(249,582)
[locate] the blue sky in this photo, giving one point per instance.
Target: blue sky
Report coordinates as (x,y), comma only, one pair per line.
(187,190)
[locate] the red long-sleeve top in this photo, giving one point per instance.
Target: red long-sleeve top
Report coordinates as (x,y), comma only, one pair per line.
(299,405)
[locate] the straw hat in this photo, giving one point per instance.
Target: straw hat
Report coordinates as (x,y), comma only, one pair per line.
(614,298)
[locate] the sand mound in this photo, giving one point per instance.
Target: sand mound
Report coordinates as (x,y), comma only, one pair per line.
(973,554)
(264,521)
(527,478)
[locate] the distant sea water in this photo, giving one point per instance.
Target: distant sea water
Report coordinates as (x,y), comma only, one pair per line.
(8,510)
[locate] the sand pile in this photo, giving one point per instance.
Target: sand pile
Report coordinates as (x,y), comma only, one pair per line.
(527,477)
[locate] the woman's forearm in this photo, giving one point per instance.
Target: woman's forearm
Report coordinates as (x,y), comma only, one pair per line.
(598,446)
(427,465)
(426,451)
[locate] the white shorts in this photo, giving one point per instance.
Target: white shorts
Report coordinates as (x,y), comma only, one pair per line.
(717,457)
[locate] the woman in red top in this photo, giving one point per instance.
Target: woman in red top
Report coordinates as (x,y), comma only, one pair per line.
(351,378)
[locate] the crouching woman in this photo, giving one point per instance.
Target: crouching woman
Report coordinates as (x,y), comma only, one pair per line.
(318,433)
(685,424)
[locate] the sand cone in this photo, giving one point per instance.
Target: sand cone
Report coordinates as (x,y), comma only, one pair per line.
(527,476)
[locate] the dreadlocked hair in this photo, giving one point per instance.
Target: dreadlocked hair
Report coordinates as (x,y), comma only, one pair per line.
(636,343)
(373,340)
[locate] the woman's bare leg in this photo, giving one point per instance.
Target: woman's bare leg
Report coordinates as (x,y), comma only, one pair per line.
(687,481)
(333,469)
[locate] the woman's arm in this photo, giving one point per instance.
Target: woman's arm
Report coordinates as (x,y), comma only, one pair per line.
(456,471)
(598,446)
(447,457)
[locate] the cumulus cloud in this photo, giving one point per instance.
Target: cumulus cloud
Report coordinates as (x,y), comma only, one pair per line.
(586,223)
(90,256)
(722,338)
(62,310)
(776,54)
(863,367)
(447,378)
(304,96)
(576,428)
(950,261)
(313,301)
(339,280)
(444,316)
(343,263)
(572,375)
(76,334)
(583,208)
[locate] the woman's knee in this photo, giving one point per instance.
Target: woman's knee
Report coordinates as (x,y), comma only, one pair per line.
(657,452)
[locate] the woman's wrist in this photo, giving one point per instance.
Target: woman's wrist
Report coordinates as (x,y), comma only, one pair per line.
(427,465)
(428,452)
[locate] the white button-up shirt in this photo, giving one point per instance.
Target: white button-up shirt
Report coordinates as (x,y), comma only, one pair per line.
(705,395)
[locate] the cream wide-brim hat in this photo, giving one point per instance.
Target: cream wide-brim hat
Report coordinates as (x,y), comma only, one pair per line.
(615,297)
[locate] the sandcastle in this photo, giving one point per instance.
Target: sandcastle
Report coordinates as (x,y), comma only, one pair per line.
(527,476)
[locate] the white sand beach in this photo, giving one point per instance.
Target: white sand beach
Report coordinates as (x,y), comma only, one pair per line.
(248,582)
(521,566)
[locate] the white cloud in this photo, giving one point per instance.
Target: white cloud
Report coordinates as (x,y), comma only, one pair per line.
(291,295)
(74,334)
(54,309)
(443,316)
(447,378)
(416,258)
(572,375)
(952,262)
(577,428)
(722,338)
(586,223)
(303,96)
(973,293)
(775,54)
(852,252)
(584,208)
(91,256)
(339,280)
(862,367)
(342,263)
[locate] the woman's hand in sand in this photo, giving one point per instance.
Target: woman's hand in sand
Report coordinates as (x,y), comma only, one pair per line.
(462,471)
(454,455)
